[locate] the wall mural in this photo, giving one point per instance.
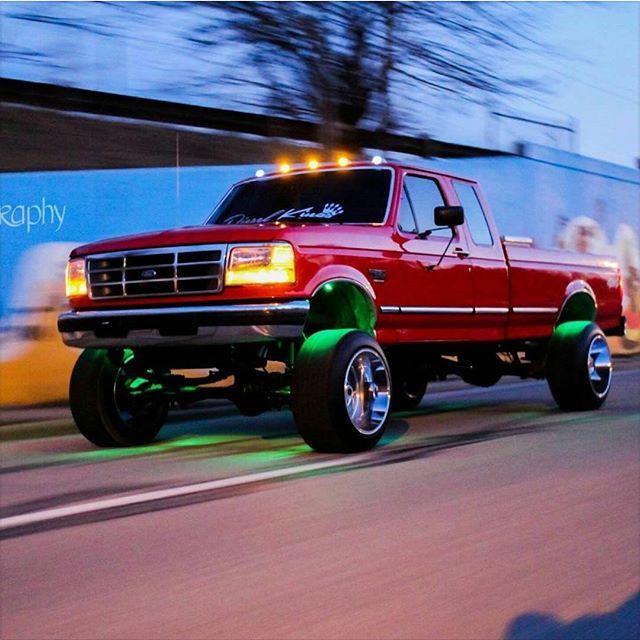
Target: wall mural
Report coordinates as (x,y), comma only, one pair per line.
(559,200)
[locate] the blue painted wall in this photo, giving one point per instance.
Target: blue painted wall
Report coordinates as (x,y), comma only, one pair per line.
(537,194)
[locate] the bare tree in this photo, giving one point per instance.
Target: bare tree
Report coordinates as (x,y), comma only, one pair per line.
(342,63)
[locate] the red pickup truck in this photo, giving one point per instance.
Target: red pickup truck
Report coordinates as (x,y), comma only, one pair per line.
(340,292)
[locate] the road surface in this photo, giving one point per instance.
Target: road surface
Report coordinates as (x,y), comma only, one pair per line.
(487,513)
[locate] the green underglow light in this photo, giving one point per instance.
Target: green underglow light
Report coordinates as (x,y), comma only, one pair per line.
(568,330)
(341,304)
(149,389)
(323,341)
(137,382)
(275,454)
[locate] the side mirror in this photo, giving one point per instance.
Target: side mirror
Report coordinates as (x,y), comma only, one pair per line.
(448,216)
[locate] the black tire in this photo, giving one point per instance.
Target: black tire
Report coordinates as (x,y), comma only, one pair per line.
(409,385)
(578,367)
(326,388)
(100,407)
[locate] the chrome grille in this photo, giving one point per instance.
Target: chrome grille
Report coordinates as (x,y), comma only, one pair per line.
(155,272)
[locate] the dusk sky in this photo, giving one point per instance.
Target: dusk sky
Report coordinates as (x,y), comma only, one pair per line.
(589,64)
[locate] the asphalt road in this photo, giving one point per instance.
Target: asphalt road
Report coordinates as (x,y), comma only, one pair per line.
(485,514)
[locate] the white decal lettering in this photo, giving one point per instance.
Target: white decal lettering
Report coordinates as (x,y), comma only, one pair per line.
(329,211)
(5,210)
(33,215)
(17,216)
(59,215)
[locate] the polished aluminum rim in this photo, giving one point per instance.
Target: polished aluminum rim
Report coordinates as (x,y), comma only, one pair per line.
(600,366)
(367,390)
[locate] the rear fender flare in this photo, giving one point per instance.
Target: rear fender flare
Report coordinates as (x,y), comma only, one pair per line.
(579,303)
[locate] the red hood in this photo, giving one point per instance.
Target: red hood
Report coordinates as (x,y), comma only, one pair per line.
(309,235)
(210,234)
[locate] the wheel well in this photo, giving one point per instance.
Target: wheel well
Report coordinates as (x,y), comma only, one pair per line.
(578,306)
(341,304)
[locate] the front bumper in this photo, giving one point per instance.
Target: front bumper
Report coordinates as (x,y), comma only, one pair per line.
(184,326)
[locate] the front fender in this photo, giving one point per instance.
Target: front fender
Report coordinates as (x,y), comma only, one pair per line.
(337,273)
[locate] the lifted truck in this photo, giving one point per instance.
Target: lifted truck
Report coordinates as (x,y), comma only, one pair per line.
(358,285)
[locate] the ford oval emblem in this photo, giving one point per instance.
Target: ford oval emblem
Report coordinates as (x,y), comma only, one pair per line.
(147,274)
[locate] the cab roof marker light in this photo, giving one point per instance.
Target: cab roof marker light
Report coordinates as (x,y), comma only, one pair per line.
(377,160)
(285,167)
(313,164)
(259,173)
(343,161)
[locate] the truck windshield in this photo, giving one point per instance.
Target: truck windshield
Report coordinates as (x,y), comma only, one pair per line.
(355,196)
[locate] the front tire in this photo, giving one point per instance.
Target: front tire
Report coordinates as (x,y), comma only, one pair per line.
(104,408)
(341,391)
(579,366)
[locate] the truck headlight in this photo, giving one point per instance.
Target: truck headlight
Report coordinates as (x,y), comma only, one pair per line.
(261,264)
(76,279)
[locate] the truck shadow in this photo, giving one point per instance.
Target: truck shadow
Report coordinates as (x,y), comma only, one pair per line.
(222,418)
(269,426)
(620,624)
(278,429)
(219,431)
(470,406)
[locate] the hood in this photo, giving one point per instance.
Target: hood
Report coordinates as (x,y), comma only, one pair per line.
(331,236)
(206,234)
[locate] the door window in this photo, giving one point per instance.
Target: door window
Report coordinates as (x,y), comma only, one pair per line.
(425,196)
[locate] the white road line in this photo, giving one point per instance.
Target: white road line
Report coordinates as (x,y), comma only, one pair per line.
(160,494)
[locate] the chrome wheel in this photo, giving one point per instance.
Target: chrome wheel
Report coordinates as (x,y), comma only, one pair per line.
(341,391)
(367,391)
(578,366)
(600,366)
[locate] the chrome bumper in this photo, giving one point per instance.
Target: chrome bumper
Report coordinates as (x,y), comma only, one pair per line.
(181,326)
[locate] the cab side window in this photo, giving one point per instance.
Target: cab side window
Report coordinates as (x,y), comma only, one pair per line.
(425,196)
(473,214)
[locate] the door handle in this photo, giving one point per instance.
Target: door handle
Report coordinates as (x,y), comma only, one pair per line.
(460,252)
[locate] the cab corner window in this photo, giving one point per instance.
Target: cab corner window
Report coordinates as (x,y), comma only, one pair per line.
(473,214)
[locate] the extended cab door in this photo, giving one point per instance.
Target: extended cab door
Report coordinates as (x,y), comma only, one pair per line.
(428,301)
(490,277)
